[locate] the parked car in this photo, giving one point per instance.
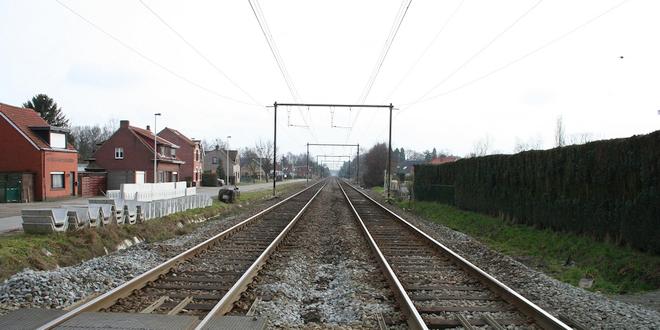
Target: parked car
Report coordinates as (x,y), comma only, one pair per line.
(221,182)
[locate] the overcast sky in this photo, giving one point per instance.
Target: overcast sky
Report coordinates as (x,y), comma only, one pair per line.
(458,71)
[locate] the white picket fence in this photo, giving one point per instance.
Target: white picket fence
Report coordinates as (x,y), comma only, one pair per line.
(131,204)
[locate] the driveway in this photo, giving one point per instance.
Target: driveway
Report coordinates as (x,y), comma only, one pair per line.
(10,213)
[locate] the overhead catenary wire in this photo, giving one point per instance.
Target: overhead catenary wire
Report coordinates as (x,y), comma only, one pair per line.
(263,25)
(480,51)
(398,21)
(198,52)
(150,60)
(520,58)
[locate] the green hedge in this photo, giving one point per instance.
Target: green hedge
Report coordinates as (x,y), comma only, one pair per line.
(608,189)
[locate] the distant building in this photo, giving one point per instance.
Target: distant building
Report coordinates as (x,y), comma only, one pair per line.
(190,151)
(443,160)
(214,158)
(128,157)
(36,162)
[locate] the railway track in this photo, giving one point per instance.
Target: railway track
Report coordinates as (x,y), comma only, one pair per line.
(436,287)
(205,280)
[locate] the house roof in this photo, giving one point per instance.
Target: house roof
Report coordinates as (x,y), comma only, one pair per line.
(178,134)
(148,135)
(443,160)
(24,120)
(233,154)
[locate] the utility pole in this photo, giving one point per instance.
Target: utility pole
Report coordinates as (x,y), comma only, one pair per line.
(389,156)
(307,171)
(357,176)
(155,149)
(227,164)
(274,146)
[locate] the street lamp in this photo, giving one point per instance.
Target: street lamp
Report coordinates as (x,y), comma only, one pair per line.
(155,149)
(227,165)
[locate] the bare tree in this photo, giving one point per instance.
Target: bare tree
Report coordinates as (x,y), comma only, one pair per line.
(530,144)
(560,133)
(86,138)
(264,150)
(580,138)
(482,146)
(214,143)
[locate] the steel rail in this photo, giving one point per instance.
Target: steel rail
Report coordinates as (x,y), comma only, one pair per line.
(415,320)
(127,288)
(234,294)
(540,316)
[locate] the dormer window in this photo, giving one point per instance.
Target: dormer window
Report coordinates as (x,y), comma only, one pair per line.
(57,140)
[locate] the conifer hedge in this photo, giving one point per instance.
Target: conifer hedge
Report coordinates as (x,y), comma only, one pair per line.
(608,189)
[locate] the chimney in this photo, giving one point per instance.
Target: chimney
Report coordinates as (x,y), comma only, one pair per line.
(148,128)
(123,124)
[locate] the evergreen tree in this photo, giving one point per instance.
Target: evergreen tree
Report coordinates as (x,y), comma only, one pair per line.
(48,110)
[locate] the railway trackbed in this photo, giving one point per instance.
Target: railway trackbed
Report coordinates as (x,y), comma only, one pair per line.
(436,287)
(206,279)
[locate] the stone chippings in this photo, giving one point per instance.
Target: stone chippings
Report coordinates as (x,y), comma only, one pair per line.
(65,286)
(322,276)
(591,309)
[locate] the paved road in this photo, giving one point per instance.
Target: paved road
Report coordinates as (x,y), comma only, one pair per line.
(10,213)
(213,191)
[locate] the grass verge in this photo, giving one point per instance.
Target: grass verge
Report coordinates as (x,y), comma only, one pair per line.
(565,256)
(42,252)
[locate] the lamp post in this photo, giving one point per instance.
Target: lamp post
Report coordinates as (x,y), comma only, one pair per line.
(227,164)
(155,149)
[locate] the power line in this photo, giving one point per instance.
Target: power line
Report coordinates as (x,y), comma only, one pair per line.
(265,30)
(480,51)
(386,49)
(428,47)
(150,60)
(398,21)
(198,52)
(524,56)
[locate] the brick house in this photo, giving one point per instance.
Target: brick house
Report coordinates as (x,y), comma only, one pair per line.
(36,163)
(128,157)
(190,151)
(217,156)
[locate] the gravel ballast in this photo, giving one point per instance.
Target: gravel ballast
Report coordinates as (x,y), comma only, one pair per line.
(62,287)
(592,310)
(323,275)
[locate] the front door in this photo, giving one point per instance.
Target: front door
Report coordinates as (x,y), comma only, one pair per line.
(72,183)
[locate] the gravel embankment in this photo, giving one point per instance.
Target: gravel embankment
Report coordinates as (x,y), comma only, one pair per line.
(593,310)
(323,275)
(65,286)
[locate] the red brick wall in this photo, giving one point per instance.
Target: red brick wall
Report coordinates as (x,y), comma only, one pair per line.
(91,184)
(19,155)
(137,156)
(187,154)
(66,162)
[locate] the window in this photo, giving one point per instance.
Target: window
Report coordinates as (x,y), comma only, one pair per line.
(58,140)
(119,153)
(173,152)
(57,180)
(215,160)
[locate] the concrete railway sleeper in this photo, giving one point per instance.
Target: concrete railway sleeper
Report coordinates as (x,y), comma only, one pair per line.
(436,287)
(205,280)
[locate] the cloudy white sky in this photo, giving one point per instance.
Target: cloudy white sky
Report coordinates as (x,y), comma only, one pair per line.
(458,70)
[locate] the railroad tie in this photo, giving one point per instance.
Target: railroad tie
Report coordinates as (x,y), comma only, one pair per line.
(464,322)
(180,306)
(154,305)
